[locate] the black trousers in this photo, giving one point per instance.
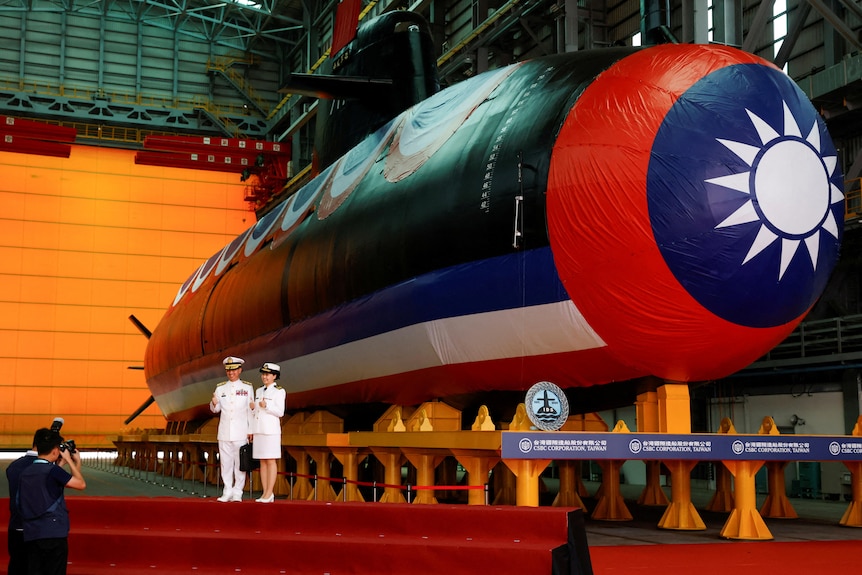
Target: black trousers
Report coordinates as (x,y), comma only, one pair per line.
(47,556)
(17,553)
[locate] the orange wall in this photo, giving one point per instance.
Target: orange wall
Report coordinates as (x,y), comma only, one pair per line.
(85,242)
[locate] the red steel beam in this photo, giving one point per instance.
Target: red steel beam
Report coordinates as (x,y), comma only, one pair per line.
(195,161)
(208,144)
(36,130)
(19,145)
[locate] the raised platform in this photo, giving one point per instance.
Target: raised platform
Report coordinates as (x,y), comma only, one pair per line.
(169,535)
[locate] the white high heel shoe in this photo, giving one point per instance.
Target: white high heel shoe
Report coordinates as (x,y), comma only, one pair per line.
(269,499)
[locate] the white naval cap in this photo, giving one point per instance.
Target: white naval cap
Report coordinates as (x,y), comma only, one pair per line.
(231,362)
(271,368)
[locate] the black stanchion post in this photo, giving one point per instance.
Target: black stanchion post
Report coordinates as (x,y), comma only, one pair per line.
(174,457)
(206,470)
(183,473)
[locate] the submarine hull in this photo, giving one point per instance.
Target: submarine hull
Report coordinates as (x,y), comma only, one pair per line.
(583,219)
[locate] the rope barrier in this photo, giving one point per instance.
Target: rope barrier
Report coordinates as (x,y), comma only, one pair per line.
(345,481)
(140,464)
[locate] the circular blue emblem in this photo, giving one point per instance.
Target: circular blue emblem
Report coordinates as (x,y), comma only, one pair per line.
(547,406)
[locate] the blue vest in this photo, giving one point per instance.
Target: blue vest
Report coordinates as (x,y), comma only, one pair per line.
(41,501)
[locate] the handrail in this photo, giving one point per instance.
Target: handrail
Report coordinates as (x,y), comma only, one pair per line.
(49,89)
(225,66)
(819,339)
(852,199)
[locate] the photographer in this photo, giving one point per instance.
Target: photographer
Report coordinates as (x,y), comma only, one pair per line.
(17,553)
(42,503)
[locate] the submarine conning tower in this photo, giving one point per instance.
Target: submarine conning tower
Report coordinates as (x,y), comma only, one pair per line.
(388,67)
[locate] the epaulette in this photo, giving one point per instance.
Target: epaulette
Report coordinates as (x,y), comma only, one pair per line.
(278,386)
(221,384)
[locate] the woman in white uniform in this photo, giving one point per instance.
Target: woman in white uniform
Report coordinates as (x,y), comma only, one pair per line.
(268,408)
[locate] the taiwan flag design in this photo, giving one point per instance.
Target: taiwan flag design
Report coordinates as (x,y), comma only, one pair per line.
(701,203)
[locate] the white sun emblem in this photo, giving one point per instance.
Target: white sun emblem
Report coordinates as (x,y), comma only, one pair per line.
(791,186)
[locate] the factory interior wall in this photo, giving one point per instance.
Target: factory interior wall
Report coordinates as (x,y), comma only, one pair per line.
(820,412)
(86,242)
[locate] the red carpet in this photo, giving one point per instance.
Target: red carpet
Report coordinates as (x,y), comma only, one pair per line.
(132,536)
(726,558)
(167,535)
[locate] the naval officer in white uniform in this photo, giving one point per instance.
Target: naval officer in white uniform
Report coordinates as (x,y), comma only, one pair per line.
(268,410)
(232,401)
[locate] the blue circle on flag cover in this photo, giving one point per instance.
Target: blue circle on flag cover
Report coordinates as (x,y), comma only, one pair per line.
(745,196)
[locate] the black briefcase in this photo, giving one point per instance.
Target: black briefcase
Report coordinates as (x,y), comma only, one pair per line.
(246,461)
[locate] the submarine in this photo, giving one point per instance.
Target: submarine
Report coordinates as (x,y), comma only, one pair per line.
(595,219)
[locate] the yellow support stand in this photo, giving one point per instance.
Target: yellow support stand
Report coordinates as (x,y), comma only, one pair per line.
(302,488)
(572,489)
(306,435)
(505,485)
(429,417)
(777,505)
(853,516)
(391,459)
(722,499)
(647,414)
(527,472)
(322,457)
(568,495)
(350,458)
(652,493)
(425,461)
(745,522)
(478,465)
(681,514)
(610,505)
(674,408)
(527,476)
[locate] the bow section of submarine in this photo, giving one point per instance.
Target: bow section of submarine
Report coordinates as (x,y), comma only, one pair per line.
(588,219)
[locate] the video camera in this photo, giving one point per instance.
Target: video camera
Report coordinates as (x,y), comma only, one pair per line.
(69,444)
